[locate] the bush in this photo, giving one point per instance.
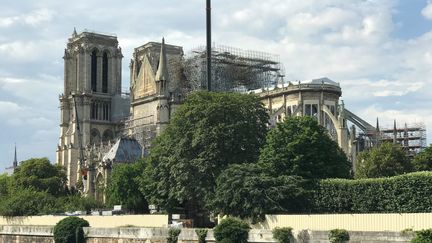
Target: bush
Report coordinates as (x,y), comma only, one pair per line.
(409,193)
(69,230)
(283,235)
(202,234)
(173,234)
(231,230)
(422,236)
(338,236)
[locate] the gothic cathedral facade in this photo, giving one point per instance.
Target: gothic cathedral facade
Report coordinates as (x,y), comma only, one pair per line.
(91,105)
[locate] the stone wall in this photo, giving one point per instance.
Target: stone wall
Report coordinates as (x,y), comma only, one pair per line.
(44,234)
(26,234)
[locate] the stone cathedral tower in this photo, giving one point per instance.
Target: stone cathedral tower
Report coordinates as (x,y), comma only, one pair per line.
(92,105)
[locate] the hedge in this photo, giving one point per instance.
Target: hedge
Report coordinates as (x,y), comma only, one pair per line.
(408,193)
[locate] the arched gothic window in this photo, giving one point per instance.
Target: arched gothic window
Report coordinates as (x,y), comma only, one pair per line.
(107,135)
(105,73)
(95,136)
(94,71)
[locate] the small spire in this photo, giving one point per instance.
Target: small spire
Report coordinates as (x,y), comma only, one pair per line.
(377,125)
(162,72)
(15,162)
(74,34)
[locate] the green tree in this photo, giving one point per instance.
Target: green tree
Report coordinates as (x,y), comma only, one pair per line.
(207,133)
(5,184)
(123,187)
(386,160)
(423,160)
(300,146)
(40,175)
(246,191)
(70,230)
(26,202)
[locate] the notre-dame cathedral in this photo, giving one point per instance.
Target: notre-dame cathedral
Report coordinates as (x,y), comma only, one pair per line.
(97,119)
(101,125)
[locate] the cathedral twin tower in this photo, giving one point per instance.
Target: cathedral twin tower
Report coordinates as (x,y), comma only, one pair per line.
(95,112)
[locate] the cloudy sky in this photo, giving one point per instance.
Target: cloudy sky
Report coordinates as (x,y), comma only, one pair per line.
(379,50)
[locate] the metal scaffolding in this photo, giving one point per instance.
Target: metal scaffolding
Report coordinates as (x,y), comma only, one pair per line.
(233,69)
(412,137)
(142,129)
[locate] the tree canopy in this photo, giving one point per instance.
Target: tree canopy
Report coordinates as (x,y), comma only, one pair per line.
(38,187)
(40,175)
(423,160)
(247,191)
(123,187)
(207,133)
(26,202)
(300,146)
(5,183)
(386,160)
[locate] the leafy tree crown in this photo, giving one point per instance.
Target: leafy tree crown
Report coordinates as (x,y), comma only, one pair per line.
(300,146)
(386,160)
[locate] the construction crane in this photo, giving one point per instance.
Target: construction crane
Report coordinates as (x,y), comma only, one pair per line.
(81,166)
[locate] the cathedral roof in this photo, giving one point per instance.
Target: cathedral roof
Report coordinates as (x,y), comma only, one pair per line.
(125,150)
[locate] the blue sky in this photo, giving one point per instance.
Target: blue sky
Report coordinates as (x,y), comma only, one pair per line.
(379,50)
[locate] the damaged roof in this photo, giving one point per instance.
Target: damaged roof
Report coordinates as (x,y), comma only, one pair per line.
(125,150)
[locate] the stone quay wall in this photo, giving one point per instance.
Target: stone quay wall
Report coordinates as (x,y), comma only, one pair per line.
(44,234)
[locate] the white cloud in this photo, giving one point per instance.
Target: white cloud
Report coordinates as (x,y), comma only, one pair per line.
(38,17)
(32,90)
(427,11)
(7,21)
(28,50)
(33,18)
(8,108)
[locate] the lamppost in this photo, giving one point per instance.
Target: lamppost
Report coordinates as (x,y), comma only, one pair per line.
(208,11)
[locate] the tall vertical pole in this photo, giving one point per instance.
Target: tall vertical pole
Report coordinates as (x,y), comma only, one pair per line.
(208,10)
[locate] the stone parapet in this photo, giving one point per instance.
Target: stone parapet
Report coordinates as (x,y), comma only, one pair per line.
(44,234)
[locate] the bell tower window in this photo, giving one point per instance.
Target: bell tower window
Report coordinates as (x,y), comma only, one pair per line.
(94,71)
(105,73)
